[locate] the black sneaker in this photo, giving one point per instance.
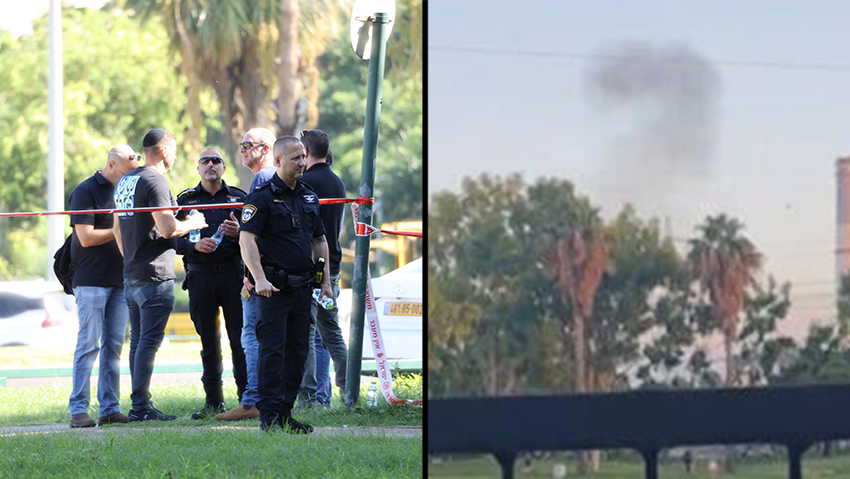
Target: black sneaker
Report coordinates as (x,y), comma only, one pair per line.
(209,410)
(291,425)
(270,424)
(149,414)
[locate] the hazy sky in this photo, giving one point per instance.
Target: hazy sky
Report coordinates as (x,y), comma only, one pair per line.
(683,108)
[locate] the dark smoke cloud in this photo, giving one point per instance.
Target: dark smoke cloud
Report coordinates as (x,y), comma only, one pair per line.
(659,105)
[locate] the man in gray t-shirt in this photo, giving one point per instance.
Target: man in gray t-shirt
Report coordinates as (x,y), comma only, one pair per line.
(145,240)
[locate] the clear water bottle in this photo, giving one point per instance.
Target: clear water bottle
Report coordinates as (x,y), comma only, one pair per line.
(325,302)
(218,236)
(372,395)
(194,235)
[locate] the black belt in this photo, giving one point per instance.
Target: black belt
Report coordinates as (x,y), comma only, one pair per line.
(211,267)
(285,281)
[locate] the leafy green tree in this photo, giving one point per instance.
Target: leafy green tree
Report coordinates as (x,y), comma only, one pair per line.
(115,91)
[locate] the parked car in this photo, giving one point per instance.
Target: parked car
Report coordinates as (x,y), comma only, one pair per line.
(398,300)
(37,313)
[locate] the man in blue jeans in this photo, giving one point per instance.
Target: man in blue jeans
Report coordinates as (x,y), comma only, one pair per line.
(99,290)
(257,155)
(326,184)
(146,241)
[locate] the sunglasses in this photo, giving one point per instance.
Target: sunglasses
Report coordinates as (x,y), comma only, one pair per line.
(216,160)
(134,157)
(250,144)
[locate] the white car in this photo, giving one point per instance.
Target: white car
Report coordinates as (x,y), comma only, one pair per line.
(398,299)
(37,313)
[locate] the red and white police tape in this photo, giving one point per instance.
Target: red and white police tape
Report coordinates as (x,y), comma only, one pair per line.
(377,339)
(361,229)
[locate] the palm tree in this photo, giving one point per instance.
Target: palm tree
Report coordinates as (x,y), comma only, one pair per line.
(724,262)
(236,48)
(580,261)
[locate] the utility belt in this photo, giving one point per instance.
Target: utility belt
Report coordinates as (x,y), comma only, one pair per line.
(290,281)
(211,267)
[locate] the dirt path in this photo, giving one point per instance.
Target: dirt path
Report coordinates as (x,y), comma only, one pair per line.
(99,432)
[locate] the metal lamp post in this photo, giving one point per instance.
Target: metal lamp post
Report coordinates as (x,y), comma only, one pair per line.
(379,24)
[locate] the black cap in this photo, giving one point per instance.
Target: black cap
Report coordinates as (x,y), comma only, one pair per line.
(153,137)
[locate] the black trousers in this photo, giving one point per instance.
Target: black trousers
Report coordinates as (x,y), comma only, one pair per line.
(208,291)
(283,331)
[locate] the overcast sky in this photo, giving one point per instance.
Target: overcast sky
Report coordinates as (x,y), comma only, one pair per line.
(723,106)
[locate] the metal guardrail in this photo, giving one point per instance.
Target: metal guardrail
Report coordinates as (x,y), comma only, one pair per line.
(647,421)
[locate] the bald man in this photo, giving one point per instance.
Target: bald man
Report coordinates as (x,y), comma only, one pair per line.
(214,279)
(99,290)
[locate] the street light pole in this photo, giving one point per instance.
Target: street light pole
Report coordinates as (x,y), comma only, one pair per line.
(367,189)
(56,152)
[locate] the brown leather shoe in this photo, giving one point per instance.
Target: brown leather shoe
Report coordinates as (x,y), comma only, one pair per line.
(82,420)
(239,413)
(114,418)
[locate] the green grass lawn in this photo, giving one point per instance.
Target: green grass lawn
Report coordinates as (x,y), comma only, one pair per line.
(176,453)
(483,467)
(215,449)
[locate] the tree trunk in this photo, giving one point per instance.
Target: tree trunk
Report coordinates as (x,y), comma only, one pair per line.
(288,85)
(730,367)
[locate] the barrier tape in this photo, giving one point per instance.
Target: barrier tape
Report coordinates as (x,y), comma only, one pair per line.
(377,341)
(329,201)
(362,229)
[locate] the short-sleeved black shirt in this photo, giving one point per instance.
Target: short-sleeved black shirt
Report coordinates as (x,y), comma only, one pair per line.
(147,254)
(268,213)
(228,250)
(99,265)
(327,184)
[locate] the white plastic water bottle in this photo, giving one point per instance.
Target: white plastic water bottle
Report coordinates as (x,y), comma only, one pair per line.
(325,302)
(194,235)
(218,236)
(372,395)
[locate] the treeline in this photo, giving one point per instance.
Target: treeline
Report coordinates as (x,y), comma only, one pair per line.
(124,76)
(531,291)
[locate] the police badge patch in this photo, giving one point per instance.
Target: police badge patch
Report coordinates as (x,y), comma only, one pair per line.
(309,198)
(248,212)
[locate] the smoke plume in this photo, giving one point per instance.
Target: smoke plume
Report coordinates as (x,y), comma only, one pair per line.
(659,121)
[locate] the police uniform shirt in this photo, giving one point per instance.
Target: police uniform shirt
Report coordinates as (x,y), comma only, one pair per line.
(148,255)
(229,247)
(100,265)
(284,243)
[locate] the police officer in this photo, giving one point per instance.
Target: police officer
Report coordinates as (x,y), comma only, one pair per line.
(280,237)
(214,278)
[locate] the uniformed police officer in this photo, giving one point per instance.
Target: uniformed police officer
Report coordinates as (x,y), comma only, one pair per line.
(214,278)
(280,237)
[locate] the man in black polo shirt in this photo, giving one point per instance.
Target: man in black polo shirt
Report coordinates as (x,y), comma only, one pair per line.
(280,237)
(99,290)
(146,241)
(326,184)
(214,278)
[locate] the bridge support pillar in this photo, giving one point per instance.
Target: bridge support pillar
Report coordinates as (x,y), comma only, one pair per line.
(650,463)
(506,462)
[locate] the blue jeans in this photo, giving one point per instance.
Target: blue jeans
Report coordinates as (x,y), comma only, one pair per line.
(103,321)
(323,379)
(252,349)
(326,326)
(150,303)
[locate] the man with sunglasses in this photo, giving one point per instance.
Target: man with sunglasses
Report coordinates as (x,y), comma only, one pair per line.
(256,150)
(99,290)
(214,278)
